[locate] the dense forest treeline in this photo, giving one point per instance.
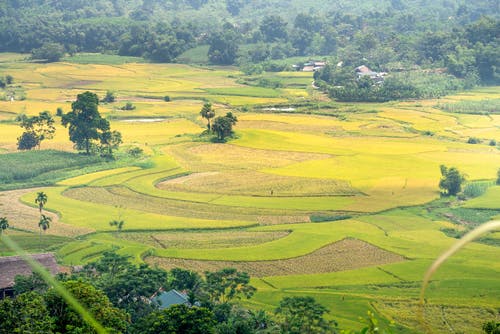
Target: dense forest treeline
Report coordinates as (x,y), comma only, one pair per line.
(387,36)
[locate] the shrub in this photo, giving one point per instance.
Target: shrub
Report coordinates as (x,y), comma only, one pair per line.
(110,97)
(128,106)
(59,112)
(493,142)
(167,98)
(473,140)
(135,152)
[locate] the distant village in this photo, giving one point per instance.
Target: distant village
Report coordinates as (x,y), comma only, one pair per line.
(361,71)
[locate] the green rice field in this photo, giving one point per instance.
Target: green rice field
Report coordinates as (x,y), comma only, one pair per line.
(340,202)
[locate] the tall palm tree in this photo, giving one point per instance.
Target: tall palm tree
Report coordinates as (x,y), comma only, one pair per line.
(208,113)
(44,223)
(41,200)
(4,224)
(118,223)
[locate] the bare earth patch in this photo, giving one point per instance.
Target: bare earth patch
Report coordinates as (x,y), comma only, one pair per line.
(24,217)
(346,254)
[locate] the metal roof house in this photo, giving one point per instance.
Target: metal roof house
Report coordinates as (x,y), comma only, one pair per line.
(168,298)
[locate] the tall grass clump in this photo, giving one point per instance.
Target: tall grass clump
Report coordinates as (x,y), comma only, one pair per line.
(476,189)
(40,167)
(482,107)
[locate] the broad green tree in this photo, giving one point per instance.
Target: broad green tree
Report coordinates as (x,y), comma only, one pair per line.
(95,301)
(26,313)
(37,129)
(84,121)
(179,319)
(41,199)
(223,126)
(50,52)
(227,284)
(451,181)
(4,224)
(303,315)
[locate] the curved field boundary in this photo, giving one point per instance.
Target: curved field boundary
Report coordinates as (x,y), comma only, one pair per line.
(346,254)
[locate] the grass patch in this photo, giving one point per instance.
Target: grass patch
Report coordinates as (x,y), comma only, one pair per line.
(197,55)
(481,107)
(35,168)
(33,243)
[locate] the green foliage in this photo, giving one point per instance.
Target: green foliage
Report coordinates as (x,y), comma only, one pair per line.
(135,152)
(86,126)
(44,223)
(127,286)
(25,169)
(37,129)
(181,279)
(26,313)
(303,315)
(477,188)
(178,319)
(451,181)
(110,97)
(481,107)
(50,52)
(95,301)
(208,113)
(4,224)
(27,141)
(491,327)
(473,140)
(167,98)
(34,282)
(118,224)
(224,46)
(59,111)
(223,126)
(227,284)
(128,106)
(41,199)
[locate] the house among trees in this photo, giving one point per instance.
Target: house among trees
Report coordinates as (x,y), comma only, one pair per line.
(311,66)
(12,266)
(169,298)
(365,71)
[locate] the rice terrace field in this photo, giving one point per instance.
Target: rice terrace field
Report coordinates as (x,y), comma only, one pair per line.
(339,201)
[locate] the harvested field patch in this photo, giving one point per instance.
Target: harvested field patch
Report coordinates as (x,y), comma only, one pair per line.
(346,254)
(441,318)
(230,157)
(250,183)
(188,240)
(124,197)
(25,217)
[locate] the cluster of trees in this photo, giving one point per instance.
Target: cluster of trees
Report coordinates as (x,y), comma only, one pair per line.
(383,36)
(470,56)
(222,126)
(118,294)
(88,130)
(7,80)
(451,181)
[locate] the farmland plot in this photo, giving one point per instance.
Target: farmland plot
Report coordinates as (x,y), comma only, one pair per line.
(332,201)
